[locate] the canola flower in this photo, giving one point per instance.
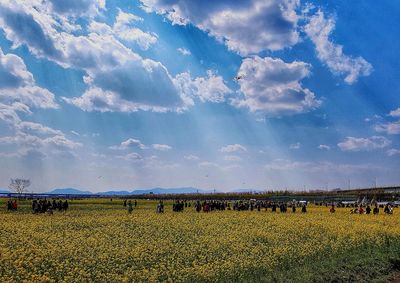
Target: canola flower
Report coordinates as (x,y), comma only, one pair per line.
(98,241)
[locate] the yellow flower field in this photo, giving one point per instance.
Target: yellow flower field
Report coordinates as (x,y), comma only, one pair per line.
(98,241)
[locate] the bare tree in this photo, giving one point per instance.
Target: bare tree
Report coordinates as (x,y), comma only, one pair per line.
(19,185)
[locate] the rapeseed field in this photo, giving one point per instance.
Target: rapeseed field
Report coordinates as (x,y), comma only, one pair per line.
(98,241)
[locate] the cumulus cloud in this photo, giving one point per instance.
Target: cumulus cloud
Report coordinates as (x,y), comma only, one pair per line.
(191,157)
(37,129)
(391,128)
(136,85)
(319,29)
(123,29)
(128,144)
(395,113)
(29,141)
(393,152)
(364,144)
(18,87)
(161,147)
(8,112)
(77,8)
(233,148)
(211,88)
(184,51)
(244,26)
(132,157)
(117,78)
(273,87)
(324,147)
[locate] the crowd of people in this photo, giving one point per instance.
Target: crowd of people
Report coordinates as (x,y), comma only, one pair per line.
(365,209)
(46,206)
(179,205)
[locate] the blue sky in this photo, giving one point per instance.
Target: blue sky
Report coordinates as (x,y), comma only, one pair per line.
(272,94)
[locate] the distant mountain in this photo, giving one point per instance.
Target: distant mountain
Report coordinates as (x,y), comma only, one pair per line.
(246,191)
(2,191)
(158,191)
(69,191)
(114,193)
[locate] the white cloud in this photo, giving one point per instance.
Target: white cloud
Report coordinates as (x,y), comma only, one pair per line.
(395,113)
(391,128)
(161,147)
(133,156)
(37,129)
(211,88)
(17,85)
(233,148)
(324,147)
(124,30)
(77,8)
(28,141)
(273,87)
(117,78)
(295,146)
(191,157)
(319,29)
(129,143)
(8,113)
(244,26)
(184,51)
(136,85)
(393,152)
(364,144)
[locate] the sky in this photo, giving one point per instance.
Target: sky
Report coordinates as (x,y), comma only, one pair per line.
(262,94)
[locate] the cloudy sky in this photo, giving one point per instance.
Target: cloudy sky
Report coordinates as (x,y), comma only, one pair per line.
(262,94)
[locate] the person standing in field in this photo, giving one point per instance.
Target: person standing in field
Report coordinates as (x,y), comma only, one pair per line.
(304,209)
(135,203)
(332,210)
(15,205)
(293,208)
(376,209)
(130,208)
(65,205)
(368,210)
(9,205)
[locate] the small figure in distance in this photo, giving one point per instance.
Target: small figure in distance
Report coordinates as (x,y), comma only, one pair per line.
(304,209)
(388,209)
(130,208)
(160,207)
(361,210)
(376,209)
(293,208)
(368,210)
(332,210)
